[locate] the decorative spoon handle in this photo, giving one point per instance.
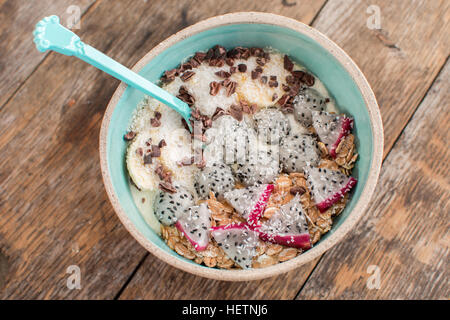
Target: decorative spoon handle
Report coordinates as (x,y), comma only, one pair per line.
(49,34)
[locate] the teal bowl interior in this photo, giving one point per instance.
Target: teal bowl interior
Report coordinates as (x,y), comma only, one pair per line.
(299,47)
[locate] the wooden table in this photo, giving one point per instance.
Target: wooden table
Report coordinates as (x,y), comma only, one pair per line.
(55,212)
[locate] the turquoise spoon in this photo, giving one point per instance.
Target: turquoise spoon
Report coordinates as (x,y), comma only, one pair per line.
(49,34)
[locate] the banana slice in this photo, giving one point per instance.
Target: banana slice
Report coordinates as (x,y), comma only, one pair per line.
(142,175)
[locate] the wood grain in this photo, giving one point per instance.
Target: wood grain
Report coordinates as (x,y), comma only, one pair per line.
(55,212)
(406,230)
(401,59)
(345,23)
(18,57)
(157,280)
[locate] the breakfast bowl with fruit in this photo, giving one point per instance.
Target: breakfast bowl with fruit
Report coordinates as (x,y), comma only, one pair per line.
(278,161)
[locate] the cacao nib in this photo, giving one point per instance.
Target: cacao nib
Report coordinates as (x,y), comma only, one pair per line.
(214,88)
(162,143)
(309,79)
(207,123)
(236,112)
(195,114)
(187,75)
(242,67)
(245,53)
(231,88)
(229,61)
(218,113)
(264,79)
(245,107)
(155,122)
(167,187)
(219,52)
(288,64)
(298,74)
(155,152)
(223,74)
(273,83)
(129,135)
(255,74)
(199,57)
(253,108)
(169,76)
(260,61)
(194,63)
(284,98)
(148,159)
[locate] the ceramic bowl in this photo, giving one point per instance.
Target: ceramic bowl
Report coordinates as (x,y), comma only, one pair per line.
(320,55)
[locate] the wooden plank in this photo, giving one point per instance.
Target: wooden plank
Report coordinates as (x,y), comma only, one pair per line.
(17,20)
(389,68)
(157,280)
(54,211)
(406,230)
(401,59)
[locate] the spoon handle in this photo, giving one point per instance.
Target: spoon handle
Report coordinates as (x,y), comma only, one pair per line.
(49,34)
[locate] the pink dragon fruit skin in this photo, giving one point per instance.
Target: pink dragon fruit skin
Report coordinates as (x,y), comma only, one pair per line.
(259,207)
(195,225)
(328,186)
(287,226)
(243,200)
(238,241)
(331,129)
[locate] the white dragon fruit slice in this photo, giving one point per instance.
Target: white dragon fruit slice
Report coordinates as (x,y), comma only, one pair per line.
(287,226)
(238,241)
(243,200)
(237,145)
(331,129)
(306,101)
(228,141)
(297,151)
(327,186)
(216,177)
(195,225)
(169,206)
(271,125)
(262,166)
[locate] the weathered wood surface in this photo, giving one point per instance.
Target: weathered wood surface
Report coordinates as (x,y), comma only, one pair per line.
(55,212)
(401,60)
(18,59)
(388,71)
(406,230)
